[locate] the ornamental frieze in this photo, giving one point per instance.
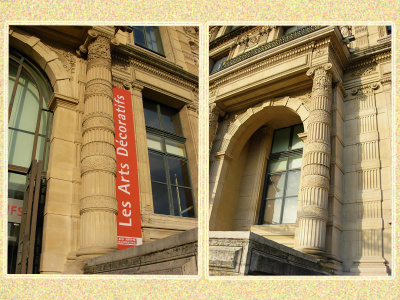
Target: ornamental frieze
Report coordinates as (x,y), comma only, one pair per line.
(263,64)
(162,74)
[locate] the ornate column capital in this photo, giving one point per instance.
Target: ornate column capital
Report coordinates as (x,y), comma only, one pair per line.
(319,70)
(136,86)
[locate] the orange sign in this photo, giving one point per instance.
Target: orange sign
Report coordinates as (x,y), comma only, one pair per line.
(129,228)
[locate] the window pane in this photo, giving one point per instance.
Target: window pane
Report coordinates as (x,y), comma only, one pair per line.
(157,167)
(275,185)
(150,114)
(218,63)
(290,211)
(151,38)
(296,142)
(16,186)
(160,198)
(154,142)
(292,188)
(170,120)
(26,105)
(178,172)
(281,140)
(175,148)
(182,197)
(277,165)
(273,212)
(20,145)
(295,162)
(138,35)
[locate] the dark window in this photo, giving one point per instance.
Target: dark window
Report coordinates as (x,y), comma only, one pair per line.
(169,169)
(230,28)
(389,30)
(281,187)
(288,30)
(148,37)
(215,65)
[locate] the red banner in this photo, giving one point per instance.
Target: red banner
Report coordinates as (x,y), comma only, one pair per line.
(129,228)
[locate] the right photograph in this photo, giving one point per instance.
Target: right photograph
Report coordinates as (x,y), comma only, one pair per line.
(300,142)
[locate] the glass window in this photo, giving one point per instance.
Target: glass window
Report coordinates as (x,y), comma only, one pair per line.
(29,119)
(148,37)
(29,128)
(289,30)
(282,181)
(217,64)
(389,30)
(170,177)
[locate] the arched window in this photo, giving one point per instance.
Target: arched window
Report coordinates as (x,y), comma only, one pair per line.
(282,181)
(29,124)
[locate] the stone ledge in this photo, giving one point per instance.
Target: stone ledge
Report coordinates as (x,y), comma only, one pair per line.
(240,253)
(173,255)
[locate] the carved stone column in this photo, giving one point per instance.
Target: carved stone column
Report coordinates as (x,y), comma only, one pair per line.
(313,214)
(98,205)
(215,113)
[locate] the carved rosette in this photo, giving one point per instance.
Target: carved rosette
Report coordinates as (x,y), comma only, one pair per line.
(98,206)
(316,166)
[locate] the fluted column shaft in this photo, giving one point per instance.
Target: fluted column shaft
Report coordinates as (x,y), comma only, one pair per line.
(313,214)
(98,205)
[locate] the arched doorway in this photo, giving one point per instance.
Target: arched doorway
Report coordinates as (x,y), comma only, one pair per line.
(29,126)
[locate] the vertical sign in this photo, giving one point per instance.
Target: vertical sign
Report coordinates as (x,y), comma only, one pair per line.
(129,229)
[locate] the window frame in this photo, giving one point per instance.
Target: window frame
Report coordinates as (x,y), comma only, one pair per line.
(289,153)
(157,34)
(166,135)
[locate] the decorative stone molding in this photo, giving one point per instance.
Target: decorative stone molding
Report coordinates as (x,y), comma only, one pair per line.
(100,87)
(263,64)
(270,45)
(97,121)
(58,100)
(93,203)
(98,163)
(98,148)
(154,71)
(215,113)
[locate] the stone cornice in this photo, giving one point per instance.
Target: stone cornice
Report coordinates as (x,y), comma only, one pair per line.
(369,61)
(264,64)
(63,101)
(156,62)
(227,37)
(282,40)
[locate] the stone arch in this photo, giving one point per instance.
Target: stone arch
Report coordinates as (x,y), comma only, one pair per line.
(247,123)
(239,133)
(46,59)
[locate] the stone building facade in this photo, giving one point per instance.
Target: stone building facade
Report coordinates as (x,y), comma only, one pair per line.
(61,81)
(300,147)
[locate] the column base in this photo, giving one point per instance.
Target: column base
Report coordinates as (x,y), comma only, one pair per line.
(369,266)
(316,252)
(91,252)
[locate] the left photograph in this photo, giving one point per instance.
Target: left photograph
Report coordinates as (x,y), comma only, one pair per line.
(103,149)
